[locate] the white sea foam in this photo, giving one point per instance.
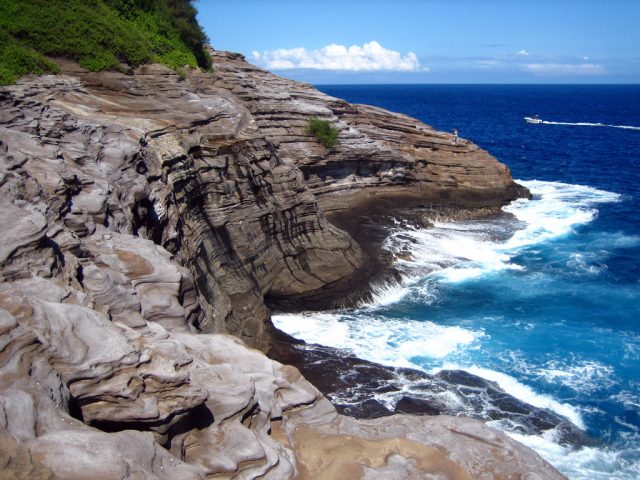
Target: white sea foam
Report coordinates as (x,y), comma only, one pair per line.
(523,392)
(587,463)
(629,399)
(321,328)
(585,263)
(464,250)
(555,210)
(632,348)
(461,251)
(450,252)
(581,376)
(388,293)
(391,342)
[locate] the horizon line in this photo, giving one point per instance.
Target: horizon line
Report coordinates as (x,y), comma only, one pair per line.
(481,83)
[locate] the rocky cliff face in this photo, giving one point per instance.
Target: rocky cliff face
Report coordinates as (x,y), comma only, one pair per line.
(220,170)
(138,209)
(379,154)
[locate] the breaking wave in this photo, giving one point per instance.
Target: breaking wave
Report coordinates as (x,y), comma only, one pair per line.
(497,252)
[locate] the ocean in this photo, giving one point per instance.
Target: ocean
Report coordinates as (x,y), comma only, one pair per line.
(543,299)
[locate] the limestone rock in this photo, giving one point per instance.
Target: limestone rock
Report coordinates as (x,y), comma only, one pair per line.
(379,153)
(139,210)
(216,406)
(220,170)
(406,447)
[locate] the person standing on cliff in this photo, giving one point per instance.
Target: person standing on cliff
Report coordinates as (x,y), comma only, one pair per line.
(455,136)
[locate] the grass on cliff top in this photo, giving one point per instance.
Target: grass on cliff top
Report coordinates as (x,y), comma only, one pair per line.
(323,131)
(99,34)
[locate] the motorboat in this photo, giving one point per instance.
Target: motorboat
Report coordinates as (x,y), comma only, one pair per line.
(533,119)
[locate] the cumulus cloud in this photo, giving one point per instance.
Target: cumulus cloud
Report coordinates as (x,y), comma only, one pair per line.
(523,53)
(369,57)
(564,69)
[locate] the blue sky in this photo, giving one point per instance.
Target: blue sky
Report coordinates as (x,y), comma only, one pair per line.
(411,41)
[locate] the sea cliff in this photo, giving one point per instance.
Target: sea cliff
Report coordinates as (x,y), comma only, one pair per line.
(148,219)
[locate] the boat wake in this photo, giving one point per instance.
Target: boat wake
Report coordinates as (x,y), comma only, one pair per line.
(589,124)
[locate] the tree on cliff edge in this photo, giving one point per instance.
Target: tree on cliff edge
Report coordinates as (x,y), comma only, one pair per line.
(99,34)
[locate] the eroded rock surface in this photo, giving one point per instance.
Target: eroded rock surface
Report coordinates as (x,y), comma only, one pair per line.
(378,154)
(182,164)
(382,160)
(138,210)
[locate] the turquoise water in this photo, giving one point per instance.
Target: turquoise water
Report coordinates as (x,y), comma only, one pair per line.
(544,299)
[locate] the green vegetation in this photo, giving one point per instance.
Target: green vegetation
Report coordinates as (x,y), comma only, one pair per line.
(16,61)
(323,131)
(99,34)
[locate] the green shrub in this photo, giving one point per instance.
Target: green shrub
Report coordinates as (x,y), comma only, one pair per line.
(98,61)
(323,131)
(18,61)
(98,34)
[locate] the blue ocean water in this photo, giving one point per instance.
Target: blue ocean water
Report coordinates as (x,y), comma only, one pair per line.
(544,299)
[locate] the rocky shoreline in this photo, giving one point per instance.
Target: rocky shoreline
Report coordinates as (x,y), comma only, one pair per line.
(364,389)
(146,222)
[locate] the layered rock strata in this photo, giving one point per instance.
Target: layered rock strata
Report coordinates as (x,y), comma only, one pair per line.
(137,210)
(220,170)
(183,165)
(382,161)
(379,154)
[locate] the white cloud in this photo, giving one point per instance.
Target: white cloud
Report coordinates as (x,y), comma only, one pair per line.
(564,69)
(369,57)
(486,64)
(523,53)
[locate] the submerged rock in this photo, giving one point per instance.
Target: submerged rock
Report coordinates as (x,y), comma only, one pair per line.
(364,389)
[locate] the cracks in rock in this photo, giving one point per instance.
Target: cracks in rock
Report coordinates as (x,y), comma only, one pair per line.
(198,418)
(72,187)
(476,438)
(145,219)
(247,417)
(57,252)
(178,422)
(75,409)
